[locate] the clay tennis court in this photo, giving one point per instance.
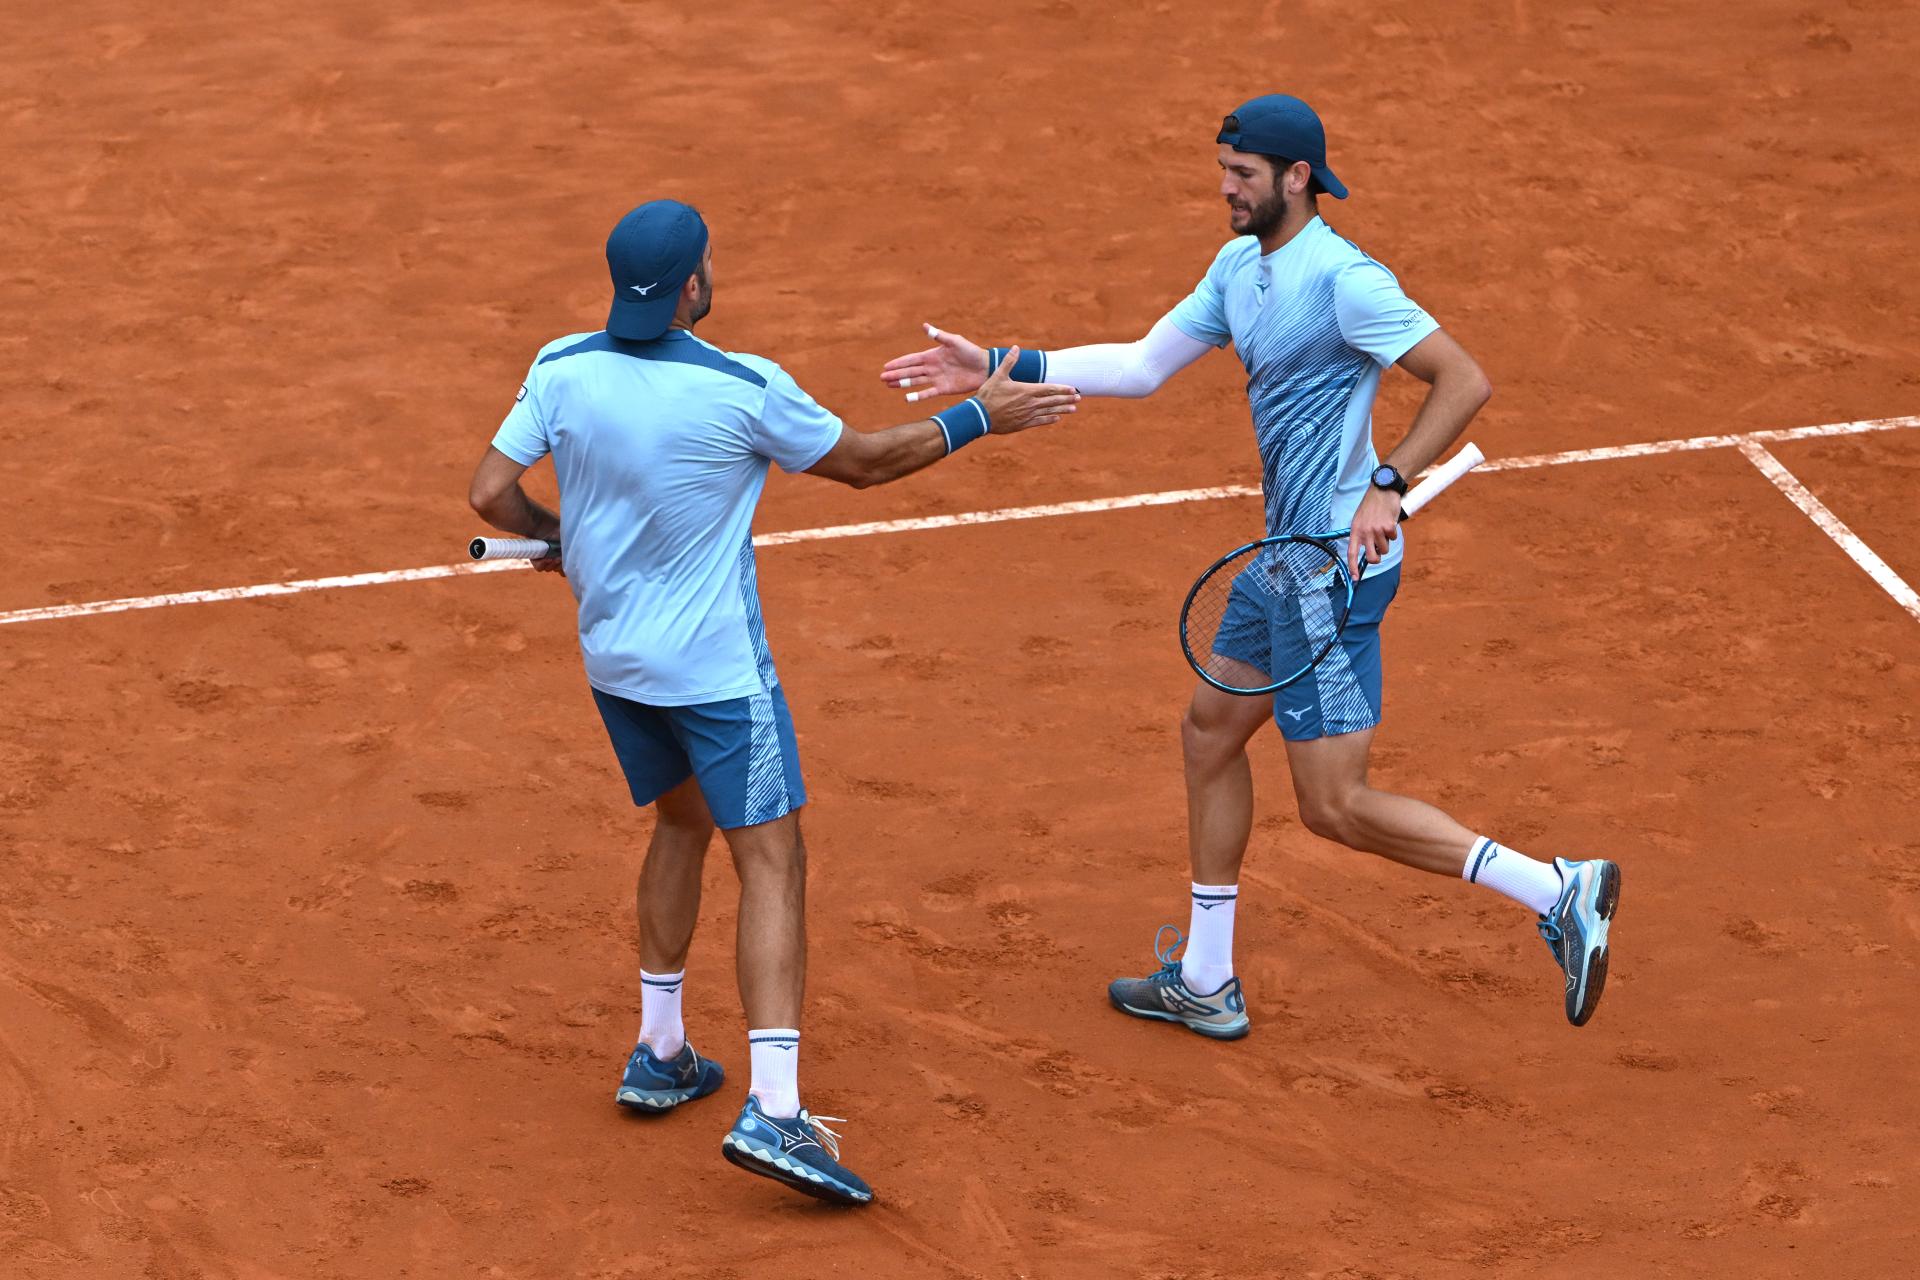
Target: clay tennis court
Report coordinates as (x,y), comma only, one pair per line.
(315,940)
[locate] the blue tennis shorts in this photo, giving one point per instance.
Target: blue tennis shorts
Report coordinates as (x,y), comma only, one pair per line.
(742,751)
(1340,695)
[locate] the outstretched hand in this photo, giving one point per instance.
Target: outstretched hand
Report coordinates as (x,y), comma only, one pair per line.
(1014,406)
(951,367)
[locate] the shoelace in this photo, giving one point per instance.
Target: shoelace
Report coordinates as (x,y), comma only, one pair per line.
(1169,967)
(826,1137)
(1549,925)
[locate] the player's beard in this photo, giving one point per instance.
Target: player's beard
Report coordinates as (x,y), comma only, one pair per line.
(702,303)
(1262,219)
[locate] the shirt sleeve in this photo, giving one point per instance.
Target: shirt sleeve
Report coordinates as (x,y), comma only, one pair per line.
(523,434)
(1375,315)
(1202,315)
(793,429)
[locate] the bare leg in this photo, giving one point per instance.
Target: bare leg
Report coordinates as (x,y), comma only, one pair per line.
(1213,742)
(772,949)
(667,899)
(1330,785)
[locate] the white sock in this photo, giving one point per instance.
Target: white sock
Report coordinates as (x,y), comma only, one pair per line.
(776,1070)
(1207,962)
(1526,880)
(660,1026)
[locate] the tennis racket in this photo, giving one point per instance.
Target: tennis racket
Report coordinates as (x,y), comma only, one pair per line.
(1263,615)
(513,549)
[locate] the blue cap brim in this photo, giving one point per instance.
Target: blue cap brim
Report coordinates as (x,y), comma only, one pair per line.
(640,319)
(1253,143)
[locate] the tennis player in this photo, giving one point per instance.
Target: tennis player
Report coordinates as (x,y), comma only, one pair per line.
(1315,321)
(661,443)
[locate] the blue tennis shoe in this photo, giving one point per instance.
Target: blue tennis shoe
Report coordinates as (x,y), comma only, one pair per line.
(1164,996)
(1576,930)
(799,1151)
(649,1084)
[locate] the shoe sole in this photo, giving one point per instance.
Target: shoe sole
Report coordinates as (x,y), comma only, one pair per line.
(743,1154)
(1608,903)
(1233,1032)
(652,1100)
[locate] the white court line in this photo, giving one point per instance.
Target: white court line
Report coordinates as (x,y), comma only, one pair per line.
(1692,443)
(1833,526)
(50,613)
(294,588)
(1166,498)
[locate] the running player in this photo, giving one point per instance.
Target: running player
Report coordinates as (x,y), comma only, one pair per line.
(660,442)
(1315,321)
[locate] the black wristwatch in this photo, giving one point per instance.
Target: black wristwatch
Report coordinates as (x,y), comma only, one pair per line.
(1386,477)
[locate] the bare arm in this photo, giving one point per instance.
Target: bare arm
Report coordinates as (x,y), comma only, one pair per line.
(495,494)
(866,458)
(1458,389)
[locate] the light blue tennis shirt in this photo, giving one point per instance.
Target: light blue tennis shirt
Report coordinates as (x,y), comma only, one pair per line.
(1314,322)
(661,450)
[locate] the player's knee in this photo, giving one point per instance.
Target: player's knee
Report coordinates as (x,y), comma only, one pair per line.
(773,849)
(1204,741)
(680,839)
(682,822)
(682,813)
(1329,816)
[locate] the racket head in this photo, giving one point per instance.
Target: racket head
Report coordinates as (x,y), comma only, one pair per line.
(1264,615)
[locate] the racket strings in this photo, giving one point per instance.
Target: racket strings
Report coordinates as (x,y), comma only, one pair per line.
(1264,617)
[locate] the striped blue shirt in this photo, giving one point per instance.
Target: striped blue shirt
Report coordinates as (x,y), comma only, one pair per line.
(661,450)
(1314,322)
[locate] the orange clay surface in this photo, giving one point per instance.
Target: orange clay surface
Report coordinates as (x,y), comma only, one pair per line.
(315,955)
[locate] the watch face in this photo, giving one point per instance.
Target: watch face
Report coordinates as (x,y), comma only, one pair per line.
(1383,477)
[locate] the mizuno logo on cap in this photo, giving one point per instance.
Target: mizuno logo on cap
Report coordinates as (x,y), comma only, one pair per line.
(644,289)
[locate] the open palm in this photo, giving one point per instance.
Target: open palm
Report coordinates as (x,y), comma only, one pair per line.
(952,366)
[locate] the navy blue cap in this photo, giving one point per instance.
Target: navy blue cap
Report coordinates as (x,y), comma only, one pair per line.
(1278,124)
(650,254)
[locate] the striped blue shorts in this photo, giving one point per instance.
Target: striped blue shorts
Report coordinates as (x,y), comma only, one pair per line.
(1340,695)
(742,751)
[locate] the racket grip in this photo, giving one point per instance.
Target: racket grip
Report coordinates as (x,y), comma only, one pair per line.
(1439,478)
(512,549)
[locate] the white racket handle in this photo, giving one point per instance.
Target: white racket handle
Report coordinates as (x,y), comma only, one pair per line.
(512,549)
(1439,478)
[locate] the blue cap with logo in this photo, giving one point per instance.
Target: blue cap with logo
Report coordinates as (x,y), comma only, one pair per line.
(650,254)
(1278,124)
